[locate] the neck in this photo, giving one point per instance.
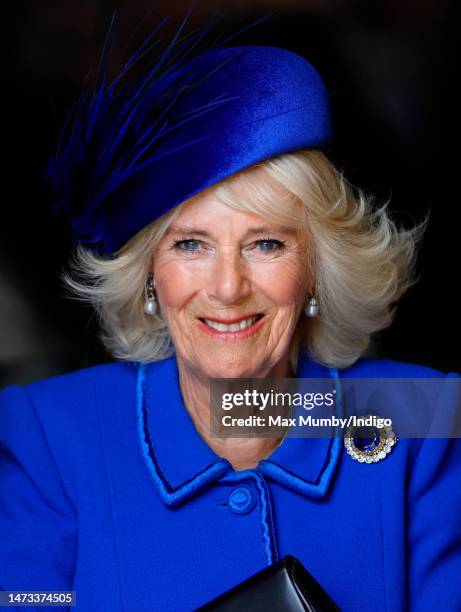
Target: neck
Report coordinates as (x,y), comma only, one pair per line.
(242,453)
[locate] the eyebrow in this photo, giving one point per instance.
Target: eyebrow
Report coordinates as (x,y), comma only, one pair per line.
(265,229)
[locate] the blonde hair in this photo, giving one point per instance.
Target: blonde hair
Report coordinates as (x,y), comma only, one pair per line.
(361,263)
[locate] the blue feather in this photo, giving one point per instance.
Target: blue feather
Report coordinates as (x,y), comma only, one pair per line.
(113,133)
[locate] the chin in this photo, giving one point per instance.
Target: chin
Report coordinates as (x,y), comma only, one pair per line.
(222,368)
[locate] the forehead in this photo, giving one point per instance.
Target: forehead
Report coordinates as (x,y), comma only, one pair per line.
(207,208)
(206,218)
(252,199)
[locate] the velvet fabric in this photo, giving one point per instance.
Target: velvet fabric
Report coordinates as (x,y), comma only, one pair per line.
(131,157)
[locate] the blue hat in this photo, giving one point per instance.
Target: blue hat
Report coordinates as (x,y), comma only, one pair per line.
(132,154)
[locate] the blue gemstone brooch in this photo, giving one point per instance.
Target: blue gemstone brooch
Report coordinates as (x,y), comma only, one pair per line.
(369,443)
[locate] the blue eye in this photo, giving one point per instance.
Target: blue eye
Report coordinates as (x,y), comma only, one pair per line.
(181,244)
(192,245)
(276,244)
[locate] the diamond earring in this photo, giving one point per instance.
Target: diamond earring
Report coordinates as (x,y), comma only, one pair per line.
(150,303)
(312,308)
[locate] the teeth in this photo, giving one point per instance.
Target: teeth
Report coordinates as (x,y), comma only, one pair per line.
(234,327)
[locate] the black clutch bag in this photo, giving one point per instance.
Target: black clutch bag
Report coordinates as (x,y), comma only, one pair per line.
(285,586)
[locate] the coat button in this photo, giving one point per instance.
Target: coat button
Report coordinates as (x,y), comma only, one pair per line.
(242,499)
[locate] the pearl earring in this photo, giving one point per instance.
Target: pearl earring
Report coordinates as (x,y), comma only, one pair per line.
(312,308)
(150,303)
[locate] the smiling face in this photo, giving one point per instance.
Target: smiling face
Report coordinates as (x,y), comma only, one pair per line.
(218,263)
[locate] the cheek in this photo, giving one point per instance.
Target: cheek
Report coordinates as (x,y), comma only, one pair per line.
(284,284)
(175,283)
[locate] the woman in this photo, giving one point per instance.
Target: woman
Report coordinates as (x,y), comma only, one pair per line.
(200,197)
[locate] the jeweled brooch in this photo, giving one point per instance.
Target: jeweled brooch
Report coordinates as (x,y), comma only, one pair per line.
(369,443)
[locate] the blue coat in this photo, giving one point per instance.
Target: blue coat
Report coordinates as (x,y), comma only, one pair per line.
(107,489)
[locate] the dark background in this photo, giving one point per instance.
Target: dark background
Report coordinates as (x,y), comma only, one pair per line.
(390,67)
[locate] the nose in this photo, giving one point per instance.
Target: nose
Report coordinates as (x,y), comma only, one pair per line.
(229,281)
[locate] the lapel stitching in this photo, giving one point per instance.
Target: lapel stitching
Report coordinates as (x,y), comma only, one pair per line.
(221,468)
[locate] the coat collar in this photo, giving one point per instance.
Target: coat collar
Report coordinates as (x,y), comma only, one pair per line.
(180,462)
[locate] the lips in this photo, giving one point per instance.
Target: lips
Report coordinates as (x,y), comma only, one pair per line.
(232,334)
(235,320)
